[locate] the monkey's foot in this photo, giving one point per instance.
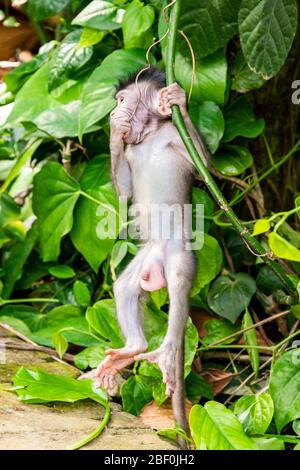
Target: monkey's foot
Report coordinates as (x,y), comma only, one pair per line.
(165,358)
(117,359)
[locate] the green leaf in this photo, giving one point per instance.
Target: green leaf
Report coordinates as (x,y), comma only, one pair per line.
(251,339)
(89,215)
(255,412)
(214,427)
(16,324)
(240,121)
(228,296)
(159,297)
(232,160)
(267,29)
(62,271)
(55,195)
(11,22)
(285,388)
(13,262)
(60,121)
(201,197)
(267,281)
(209,263)
(261,226)
(60,344)
(40,10)
(209,119)
(197,387)
(210,76)
(90,357)
(217,329)
(268,443)
(97,96)
(118,253)
(136,21)
(29,315)
(67,59)
(101,15)
(36,386)
(89,37)
(9,209)
(243,78)
(18,76)
(102,318)
(135,393)
(209,24)
(78,332)
(282,248)
(28,105)
(82,293)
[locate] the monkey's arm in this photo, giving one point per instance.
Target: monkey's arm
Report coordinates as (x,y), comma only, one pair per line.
(175,95)
(120,169)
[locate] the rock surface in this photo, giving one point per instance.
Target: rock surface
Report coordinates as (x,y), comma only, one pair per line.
(59,425)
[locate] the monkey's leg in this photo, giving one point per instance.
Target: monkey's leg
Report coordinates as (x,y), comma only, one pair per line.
(127,290)
(179,271)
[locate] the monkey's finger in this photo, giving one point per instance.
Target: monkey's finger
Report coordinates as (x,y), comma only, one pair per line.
(147,356)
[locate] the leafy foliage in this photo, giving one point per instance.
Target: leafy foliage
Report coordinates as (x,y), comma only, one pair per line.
(56,267)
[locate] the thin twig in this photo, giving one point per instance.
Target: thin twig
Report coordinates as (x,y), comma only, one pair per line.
(29,341)
(246,381)
(255,325)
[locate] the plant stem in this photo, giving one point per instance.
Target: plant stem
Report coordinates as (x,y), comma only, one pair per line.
(94,433)
(178,120)
(29,299)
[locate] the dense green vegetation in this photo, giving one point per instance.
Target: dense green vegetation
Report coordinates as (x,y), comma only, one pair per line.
(56,274)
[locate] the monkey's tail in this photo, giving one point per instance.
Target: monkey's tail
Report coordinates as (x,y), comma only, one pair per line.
(178,398)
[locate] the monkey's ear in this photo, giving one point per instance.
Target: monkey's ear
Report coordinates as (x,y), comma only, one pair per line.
(164,109)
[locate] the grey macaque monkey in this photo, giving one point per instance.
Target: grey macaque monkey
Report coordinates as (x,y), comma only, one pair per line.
(150,165)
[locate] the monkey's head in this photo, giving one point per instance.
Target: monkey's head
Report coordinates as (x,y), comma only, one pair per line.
(137,102)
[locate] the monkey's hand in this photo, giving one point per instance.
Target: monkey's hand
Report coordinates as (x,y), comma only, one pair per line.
(119,130)
(172,94)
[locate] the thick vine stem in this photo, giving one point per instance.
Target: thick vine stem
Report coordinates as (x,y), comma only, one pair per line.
(251,243)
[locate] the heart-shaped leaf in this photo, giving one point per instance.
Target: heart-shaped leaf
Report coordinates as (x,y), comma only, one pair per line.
(255,412)
(228,296)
